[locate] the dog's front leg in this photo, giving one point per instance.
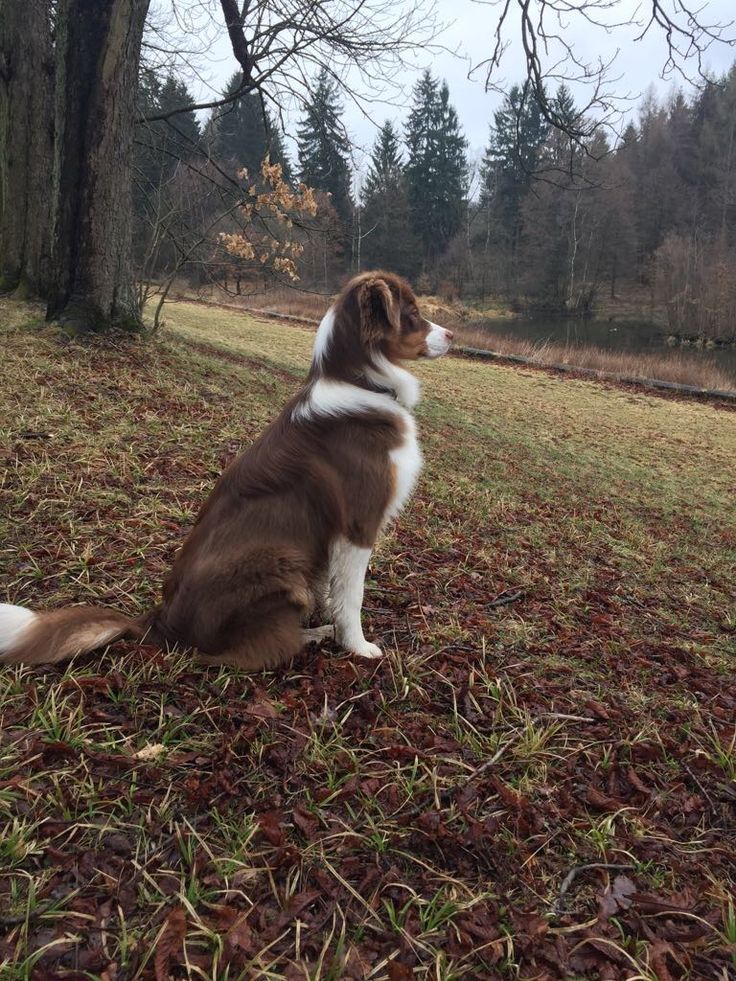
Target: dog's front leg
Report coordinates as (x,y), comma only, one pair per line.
(348,565)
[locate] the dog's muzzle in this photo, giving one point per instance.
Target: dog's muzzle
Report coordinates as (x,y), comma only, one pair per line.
(438,340)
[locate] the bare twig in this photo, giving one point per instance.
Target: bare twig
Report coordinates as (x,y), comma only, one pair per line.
(506,597)
(545,29)
(446,796)
(578,870)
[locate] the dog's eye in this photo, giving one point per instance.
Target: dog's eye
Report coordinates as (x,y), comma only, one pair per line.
(411,323)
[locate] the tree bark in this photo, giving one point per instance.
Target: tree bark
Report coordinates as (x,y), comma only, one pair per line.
(97,58)
(26,143)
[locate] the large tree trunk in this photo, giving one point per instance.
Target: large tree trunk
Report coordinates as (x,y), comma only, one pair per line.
(97,57)
(26,142)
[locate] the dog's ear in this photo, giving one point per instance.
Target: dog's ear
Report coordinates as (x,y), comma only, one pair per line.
(379,311)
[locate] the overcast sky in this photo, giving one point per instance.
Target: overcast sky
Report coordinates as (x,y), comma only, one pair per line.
(469,30)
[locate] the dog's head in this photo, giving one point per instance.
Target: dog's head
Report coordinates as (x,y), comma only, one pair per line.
(387,315)
(376,317)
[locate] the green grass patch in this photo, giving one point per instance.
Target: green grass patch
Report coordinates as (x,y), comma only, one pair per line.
(416,817)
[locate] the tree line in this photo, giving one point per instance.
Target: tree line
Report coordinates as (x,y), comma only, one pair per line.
(403,219)
(566,224)
(557,216)
(547,220)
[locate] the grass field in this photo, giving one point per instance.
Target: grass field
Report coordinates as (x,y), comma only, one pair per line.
(490,328)
(540,788)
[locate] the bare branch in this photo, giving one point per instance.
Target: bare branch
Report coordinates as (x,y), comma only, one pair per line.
(282,44)
(544,29)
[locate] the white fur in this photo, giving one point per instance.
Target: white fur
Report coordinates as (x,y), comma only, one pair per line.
(386,374)
(348,565)
(407,461)
(324,336)
(335,398)
(438,341)
(14,621)
(347,562)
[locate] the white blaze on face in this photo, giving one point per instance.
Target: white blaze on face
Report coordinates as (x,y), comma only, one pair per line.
(438,340)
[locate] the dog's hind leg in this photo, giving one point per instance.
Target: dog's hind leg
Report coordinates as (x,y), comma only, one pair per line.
(265,645)
(321,593)
(268,649)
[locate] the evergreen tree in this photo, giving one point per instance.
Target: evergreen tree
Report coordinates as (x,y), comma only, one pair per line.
(714,138)
(452,167)
(387,240)
(159,150)
(565,110)
(513,155)
(245,133)
(436,170)
(323,147)
(181,133)
(563,152)
(161,145)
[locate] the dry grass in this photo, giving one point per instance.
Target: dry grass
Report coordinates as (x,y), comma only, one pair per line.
(312,305)
(700,371)
(293,302)
(409,818)
(670,365)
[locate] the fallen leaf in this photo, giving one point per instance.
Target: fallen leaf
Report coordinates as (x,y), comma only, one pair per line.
(616,897)
(170,942)
(305,821)
(399,972)
(271,825)
(262,709)
(149,752)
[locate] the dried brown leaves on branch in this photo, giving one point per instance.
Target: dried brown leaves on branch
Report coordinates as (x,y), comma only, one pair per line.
(277,205)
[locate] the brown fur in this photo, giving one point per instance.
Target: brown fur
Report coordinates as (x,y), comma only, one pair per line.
(251,571)
(60,634)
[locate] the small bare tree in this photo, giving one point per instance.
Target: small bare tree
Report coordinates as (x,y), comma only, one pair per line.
(256,232)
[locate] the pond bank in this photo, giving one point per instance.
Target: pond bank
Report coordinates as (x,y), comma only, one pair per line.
(711,395)
(636,348)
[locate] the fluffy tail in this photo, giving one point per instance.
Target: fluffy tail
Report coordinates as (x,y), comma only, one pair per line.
(45,638)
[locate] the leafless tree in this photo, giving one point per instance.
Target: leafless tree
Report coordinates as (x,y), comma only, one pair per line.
(280,45)
(544,29)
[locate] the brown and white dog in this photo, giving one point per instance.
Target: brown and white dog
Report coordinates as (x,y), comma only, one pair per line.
(290,525)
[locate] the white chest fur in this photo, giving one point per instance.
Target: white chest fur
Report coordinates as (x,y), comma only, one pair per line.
(407,464)
(336,398)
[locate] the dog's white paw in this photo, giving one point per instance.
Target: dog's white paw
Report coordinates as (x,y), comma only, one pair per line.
(366,649)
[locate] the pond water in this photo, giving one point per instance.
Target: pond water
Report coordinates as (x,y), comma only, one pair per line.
(633,336)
